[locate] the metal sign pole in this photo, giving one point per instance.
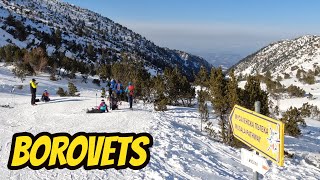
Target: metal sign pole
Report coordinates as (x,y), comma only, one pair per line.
(96,99)
(13,97)
(257,107)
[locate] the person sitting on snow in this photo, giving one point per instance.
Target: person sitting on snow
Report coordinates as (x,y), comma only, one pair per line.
(45,96)
(100,109)
(103,106)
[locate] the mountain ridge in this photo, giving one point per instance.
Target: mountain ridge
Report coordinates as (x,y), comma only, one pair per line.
(82,29)
(285,56)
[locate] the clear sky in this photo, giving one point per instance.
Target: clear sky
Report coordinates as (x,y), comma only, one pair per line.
(207,26)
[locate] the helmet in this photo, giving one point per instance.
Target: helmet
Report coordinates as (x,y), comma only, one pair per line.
(130,83)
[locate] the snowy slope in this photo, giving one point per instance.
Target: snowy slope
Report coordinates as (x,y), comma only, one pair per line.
(180,150)
(79,28)
(283,57)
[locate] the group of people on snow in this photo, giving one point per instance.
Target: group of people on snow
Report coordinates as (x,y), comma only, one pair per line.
(115,89)
(33,90)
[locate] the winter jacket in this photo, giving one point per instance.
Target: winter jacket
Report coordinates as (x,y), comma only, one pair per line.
(45,94)
(112,85)
(33,87)
(130,90)
(103,107)
(118,88)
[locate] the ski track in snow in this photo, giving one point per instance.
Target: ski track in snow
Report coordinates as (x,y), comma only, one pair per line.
(180,149)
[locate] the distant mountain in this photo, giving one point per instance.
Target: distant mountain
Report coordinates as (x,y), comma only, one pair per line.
(83,35)
(282,57)
(225,60)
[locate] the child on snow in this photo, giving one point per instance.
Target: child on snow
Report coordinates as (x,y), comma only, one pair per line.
(45,96)
(101,108)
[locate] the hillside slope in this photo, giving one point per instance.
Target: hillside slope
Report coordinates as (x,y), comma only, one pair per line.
(283,57)
(180,149)
(84,35)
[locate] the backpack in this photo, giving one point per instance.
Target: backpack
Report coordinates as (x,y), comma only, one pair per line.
(131,90)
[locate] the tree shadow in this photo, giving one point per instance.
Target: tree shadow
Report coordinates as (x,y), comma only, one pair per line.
(53,101)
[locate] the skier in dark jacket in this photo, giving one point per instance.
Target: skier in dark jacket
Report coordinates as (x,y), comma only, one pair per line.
(33,90)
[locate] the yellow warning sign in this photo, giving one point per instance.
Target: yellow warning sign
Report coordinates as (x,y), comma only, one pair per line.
(260,132)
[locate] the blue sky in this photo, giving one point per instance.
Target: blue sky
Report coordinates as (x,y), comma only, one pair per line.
(207,26)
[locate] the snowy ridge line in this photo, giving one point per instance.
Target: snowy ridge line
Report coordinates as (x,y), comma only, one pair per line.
(282,57)
(80,28)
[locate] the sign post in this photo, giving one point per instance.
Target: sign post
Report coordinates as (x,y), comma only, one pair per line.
(257,107)
(254,161)
(263,134)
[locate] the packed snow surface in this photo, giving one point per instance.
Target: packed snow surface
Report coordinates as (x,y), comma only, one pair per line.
(180,149)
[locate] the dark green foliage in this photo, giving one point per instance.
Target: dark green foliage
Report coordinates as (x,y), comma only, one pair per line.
(219,100)
(292,118)
(293,68)
(279,78)
(177,88)
(104,72)
(72,90)
(21,70)
(300,73)
(160,103)
(203,108)
(233,98)
(202,78)
(268,74)
(232,90)
(295,91)
(276,111)
(96,81)
(309,77)
(57,37)
(286,76)
(20,31)
(61,92)
(305,110)
(252,93)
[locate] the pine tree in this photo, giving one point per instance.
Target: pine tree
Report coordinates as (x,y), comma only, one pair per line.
(61,92)
(232,90)
(253,93)
(219,100)
(57,38)
(232,99)
(202,78)
(72,89)
(268,74)
(161,101)
(201,105)
(292,118)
